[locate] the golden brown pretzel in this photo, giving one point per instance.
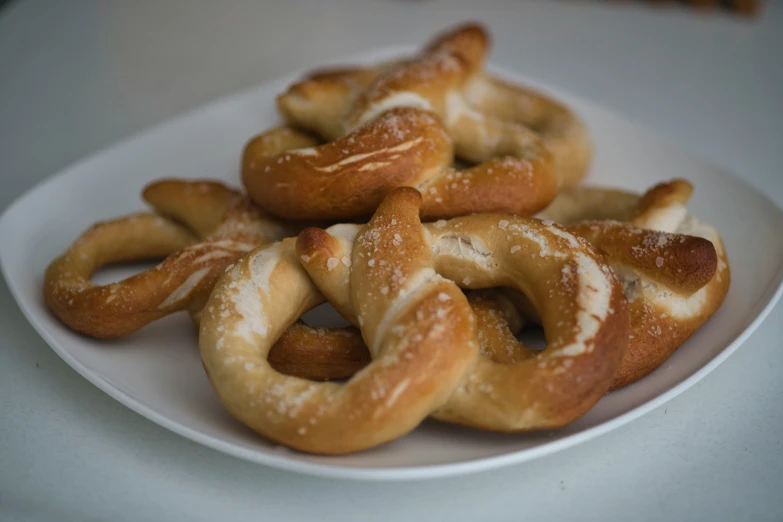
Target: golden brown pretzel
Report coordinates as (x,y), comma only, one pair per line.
(219,226)
(320,102)
(324,354)
(660,271)
(674,268)
(416,364)
(319,354)
(400,131)
(483,251)
(418,326)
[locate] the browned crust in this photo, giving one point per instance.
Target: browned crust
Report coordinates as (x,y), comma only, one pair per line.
(198,204)
(564,397)
(324,354)
(319,354)
(656,335)
(113,310)
(522,389)
(419,355)
(347,177)
(220,225)
(661,196)
(688,264)
(471,41)
(682,263)
(502,185)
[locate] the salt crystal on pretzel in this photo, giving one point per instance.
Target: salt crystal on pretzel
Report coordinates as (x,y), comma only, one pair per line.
(401,129)
(421,332)
(674,268)
(321,102)
(220,225)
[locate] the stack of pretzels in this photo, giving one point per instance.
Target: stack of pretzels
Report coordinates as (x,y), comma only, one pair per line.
(439,210)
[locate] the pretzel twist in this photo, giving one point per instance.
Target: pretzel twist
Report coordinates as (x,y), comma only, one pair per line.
(401,130)
(388,278)
(414,367)
(674,280)
(220,225)
(674,268)
(321,101)
(325,354)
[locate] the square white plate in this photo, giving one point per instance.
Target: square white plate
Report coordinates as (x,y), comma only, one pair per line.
(157,372)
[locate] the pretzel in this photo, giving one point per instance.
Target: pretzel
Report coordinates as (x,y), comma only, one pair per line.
(674,268)
(393,282)
(401,131)
(661,272)
(321,101)
(220,225)
(324,354)
(319,354)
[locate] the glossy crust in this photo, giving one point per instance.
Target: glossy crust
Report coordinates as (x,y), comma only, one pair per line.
(674,280)
(320,102)
(401,125)
(219,225)
(674,268)
(420,349)
(388,279)
(319,354)
(326,354)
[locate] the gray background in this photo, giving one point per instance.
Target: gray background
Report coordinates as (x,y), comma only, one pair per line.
(77,76)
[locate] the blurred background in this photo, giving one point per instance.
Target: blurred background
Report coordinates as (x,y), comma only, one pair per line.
(78,76)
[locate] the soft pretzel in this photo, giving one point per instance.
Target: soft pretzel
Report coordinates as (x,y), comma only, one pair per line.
(319,354)
(220,225)
(388,278)
(674,280)
(320,102)
(674,268)
(416,362)
(401,131)
(324,354)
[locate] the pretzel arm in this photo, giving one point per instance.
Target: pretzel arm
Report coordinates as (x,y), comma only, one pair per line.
(88,308)
(682,263)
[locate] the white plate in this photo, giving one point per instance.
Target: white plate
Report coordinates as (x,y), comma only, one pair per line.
(157,373)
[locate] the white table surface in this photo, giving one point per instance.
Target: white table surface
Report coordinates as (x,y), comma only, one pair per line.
(77,76)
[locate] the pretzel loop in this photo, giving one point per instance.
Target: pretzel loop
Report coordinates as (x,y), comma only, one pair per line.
(320,102)
(674,280)
(674,268)
(415,365)
(388,278)
(220,226)
(399,127)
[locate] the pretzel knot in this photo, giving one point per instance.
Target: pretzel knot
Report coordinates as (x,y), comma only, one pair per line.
(673,267)
(220,225)
(674,281)
(401,126)
(393,278)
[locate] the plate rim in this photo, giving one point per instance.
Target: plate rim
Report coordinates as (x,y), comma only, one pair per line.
(283,462)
